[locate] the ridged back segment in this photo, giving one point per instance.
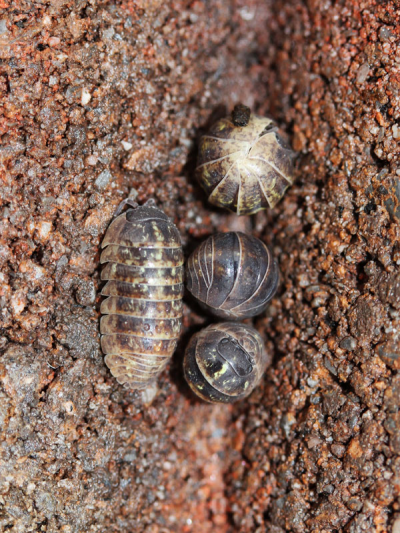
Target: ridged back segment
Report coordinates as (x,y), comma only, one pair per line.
(143,226)
(143,312)
(233,275)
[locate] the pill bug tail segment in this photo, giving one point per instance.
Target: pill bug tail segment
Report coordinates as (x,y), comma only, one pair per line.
(142,315)
(244,165)
(225,362)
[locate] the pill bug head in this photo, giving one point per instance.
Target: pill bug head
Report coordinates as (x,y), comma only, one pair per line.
(244,163)
(224,362)
(232,275)
(241,115)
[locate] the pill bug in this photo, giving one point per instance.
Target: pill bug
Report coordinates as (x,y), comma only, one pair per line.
(224,362)
(232,275)
(244,163)
(143,312)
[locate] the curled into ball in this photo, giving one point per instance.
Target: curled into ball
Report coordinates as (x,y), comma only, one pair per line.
(232,275)
(244,163)
(225,362)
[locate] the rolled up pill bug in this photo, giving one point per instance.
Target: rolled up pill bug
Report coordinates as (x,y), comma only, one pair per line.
(143,311)
(224,362)
(244,163)
(232,275)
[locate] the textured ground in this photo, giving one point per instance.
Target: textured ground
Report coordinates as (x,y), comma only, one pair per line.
(102,99)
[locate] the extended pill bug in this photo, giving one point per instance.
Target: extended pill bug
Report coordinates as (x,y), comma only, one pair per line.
(143,312)
(225,362)
(244,164)
(232,275)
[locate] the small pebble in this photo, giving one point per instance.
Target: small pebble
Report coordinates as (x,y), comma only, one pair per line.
(362,73)
(127,146)
(149,393)
(86,293)
(103,179)
(54,41)
(348,343)
(86,97)
(91,160)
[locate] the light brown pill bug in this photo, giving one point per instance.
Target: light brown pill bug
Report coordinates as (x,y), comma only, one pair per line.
(232,275)
(143,312)
(244,163)
(225,362)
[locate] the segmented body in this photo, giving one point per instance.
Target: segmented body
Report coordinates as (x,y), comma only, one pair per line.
(244,168)
(143,311)
(232,275)
(224,362)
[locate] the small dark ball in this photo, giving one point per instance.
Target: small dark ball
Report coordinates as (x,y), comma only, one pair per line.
(232,275)
(224,362)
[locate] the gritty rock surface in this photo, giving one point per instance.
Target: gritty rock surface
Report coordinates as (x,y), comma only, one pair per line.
(321,443)
(104,99)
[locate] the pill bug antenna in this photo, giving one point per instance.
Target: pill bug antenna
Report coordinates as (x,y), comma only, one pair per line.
(128,201)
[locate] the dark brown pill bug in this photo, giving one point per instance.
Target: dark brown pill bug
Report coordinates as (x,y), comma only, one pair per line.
(224,362)
(232,275)
(244,163)
(143,311)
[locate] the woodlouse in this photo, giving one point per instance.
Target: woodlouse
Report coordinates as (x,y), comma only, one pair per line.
(224,362)
(244,163)
(143,311)
(232,275)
